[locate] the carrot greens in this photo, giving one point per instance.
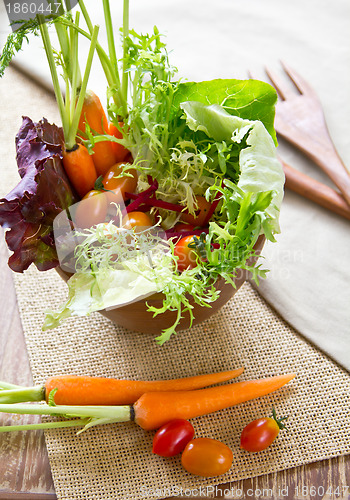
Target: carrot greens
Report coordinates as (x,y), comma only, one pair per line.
(14,42)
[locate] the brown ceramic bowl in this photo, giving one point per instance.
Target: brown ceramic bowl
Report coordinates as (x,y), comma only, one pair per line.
(136,317)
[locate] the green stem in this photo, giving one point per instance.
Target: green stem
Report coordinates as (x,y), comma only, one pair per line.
(23,394)
(118,95)
(75,63)
(67,99)
(56,85)
(86,15)
(63,39)
(7,386)
(110,39)
(115,413)
(125,77)
(43,425)
(106,137)
(75,121)
(105,62)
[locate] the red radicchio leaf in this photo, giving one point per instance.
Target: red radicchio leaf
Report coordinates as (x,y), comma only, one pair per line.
(29,210)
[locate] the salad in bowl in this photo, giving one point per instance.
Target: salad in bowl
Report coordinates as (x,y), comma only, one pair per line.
(153,206)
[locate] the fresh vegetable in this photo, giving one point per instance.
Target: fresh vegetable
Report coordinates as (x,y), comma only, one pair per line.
(261,433)
(202,207)
(81,390)
(80,169)
(204,152)
(152,409)
(171,438)
(247,208)
(115,181)
(206,457)
(185,253)
(137,221)
(182,227)
(91,210)
(120,152)
(28,211)
(94,119)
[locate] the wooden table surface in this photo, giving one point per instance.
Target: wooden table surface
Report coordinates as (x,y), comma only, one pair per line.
(24,465)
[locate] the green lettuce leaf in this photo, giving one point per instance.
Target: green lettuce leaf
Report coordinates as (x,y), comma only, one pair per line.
(248,99)
(105,289)
(260,169)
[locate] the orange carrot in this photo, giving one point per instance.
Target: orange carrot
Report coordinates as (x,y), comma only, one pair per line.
(80,169)
(79,390)
(153,409)
(93,114)
(150,411)
(120,152)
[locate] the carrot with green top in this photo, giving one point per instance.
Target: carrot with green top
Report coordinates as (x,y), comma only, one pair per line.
(153,409)
(81,390)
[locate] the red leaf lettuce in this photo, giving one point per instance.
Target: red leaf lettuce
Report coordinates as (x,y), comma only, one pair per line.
(29,210)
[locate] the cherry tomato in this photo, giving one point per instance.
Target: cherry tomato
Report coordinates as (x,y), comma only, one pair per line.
(120,152)
(91,210)
(139,221)
(206,457)
(120,185)
(182,227)
(172,437)
(260,434)
(187,257)
(199,218)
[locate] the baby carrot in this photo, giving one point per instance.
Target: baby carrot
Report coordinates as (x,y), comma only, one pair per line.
(80,169)
(81,390)
(152,409)
(93,114)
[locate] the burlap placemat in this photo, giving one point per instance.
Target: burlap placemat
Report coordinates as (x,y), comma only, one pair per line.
(115,461)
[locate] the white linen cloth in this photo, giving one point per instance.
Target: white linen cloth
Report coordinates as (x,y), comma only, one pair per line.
(310,272)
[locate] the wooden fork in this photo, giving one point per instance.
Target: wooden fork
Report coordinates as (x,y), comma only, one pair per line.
(300,120)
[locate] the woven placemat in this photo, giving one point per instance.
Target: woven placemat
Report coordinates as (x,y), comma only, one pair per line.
(115,461)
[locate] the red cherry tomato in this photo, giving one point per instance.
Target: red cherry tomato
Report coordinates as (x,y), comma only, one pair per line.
(139,221)
(199,218)
(206,457)
(187,257)
(91,210)
(261,433)
(120,185)
(172,438)
(182,227)
(120,152)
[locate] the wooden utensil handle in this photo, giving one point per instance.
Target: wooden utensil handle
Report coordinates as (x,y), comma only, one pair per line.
(315,191)
(331,163)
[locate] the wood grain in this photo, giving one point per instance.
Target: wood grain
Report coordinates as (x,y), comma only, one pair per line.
(24,466)
(315,191)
